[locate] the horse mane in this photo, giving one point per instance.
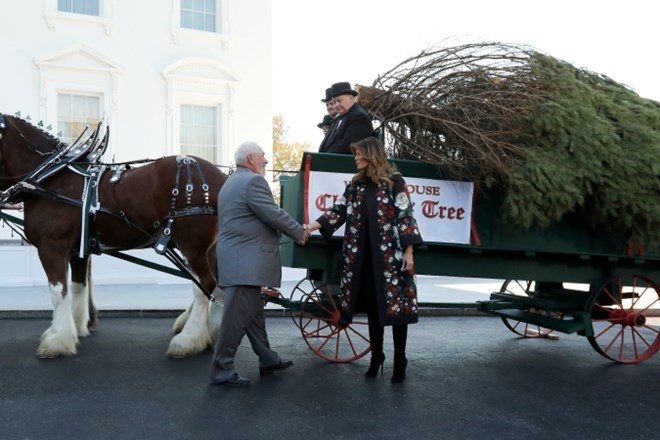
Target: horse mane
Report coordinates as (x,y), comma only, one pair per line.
(43,137)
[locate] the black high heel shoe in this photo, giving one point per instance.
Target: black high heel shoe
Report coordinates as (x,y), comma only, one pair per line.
(377,362)
(399,373)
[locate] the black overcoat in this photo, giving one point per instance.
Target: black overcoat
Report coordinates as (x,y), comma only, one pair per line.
(350,127)
(382,217)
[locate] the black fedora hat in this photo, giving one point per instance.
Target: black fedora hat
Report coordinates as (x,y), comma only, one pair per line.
(327,95)
(327,122)
(342,88)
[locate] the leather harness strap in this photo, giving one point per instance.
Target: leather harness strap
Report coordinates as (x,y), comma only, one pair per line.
(162,244)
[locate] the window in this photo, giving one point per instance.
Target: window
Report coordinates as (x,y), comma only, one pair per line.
(74,113)
(199,105)
(198,14)
(86,7)
(198,131)
(74,13)
(200,22)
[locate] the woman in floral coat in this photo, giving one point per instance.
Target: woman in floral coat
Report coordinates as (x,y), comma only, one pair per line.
(378,275)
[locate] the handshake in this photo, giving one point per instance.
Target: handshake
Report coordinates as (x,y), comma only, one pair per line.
(307,232)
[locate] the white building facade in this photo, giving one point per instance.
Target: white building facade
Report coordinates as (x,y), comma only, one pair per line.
(167,76)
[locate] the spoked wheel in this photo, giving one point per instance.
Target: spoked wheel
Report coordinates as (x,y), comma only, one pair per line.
(320,327)
(625,318)
(524,288)
(299,291)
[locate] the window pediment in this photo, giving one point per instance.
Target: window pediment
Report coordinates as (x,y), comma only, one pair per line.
(199,70)
(78,58)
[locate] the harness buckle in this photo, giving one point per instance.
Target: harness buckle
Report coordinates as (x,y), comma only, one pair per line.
(216,302)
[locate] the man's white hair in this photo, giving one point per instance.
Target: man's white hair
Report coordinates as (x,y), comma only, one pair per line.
(244,150)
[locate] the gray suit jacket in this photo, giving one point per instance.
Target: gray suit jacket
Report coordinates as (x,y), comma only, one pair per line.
(248,247)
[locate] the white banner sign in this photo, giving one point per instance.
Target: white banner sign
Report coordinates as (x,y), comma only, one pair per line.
(442,208)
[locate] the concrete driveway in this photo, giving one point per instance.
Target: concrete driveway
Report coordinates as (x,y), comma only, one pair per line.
(468,378)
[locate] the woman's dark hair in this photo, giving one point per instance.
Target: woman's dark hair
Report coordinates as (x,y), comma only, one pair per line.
(379,169)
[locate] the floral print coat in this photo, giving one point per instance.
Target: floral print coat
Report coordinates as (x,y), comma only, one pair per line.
(381,217)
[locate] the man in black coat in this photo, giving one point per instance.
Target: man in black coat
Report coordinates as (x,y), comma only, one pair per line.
(352,124)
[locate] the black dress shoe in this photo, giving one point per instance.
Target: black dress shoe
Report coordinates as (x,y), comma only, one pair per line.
(234,381)
(277,367)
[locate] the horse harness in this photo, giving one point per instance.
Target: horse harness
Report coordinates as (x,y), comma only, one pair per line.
(82,158)
(162,244)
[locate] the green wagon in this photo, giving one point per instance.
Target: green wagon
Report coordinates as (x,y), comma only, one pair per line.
(567,278)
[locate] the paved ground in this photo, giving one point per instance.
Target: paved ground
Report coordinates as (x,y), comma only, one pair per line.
(468,378)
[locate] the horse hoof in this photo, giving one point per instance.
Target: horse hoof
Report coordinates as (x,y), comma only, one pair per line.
(44,356)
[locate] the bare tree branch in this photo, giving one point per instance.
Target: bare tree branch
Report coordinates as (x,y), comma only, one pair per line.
(462,108)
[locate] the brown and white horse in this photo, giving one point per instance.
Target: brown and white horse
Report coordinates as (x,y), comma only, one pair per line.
(131,213)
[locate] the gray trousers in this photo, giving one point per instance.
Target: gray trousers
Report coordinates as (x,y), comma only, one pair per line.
(243,314)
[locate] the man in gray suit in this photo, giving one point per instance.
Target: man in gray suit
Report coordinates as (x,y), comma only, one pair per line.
(248,257)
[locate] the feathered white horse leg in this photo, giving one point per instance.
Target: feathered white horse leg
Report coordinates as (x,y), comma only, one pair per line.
(80,297)
(182,319)
(194,337)
(60,339)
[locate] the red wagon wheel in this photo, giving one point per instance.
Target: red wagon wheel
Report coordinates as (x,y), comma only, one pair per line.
(524,288)
(299,291)
(625,318)
(320,327)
